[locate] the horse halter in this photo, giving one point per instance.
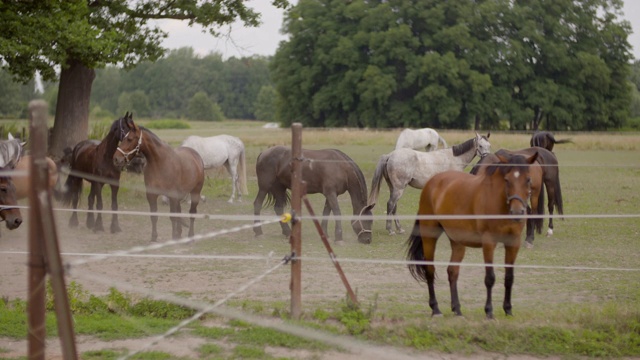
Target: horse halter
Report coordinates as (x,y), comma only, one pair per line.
(358,220)
(519,198)
(135,150)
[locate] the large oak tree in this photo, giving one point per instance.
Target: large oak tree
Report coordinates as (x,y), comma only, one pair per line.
(75,37)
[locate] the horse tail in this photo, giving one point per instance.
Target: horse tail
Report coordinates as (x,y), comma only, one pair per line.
(444,143)
(242,173)
(72,186)
(415,253)
(556,184)
(538,223)
(377,178)
(563,141)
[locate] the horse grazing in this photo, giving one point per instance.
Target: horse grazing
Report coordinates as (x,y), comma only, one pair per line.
(223,150)
(503,189)
(91,160)
(8,201)
(404,167)
(545,139)
(329,172)
(170,172)
(10,152)
(426,138)
(545,173)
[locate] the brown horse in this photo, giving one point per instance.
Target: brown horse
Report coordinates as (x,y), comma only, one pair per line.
(22,181)
(8,202)
(545,139)
(170,172)
(549,177)
(502,189)
(329,172)
(91,160)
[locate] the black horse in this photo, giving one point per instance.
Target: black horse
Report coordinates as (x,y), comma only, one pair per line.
(545,139)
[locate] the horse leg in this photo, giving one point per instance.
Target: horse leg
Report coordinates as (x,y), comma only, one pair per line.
(488,248)
(152,199)
(193,209)
(510,255)
(91,200)
(332,202)
(73,220)
(257,207)
(97,226)
(280,197)
(326,211)
(115,226)
(430,233)
(176,221)
(551,200)
(453,271)
(392,206)
(235,181)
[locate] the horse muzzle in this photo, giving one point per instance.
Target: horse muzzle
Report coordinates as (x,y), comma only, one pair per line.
(517,208)
(13,221)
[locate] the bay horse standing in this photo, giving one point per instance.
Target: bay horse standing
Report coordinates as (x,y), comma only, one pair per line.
(419,139)
(174,173)
(227,151)
(503,189)
(329,172)
(22,180)
(545,139)
(404,167)
(545,173)
(91,160)
(9,212)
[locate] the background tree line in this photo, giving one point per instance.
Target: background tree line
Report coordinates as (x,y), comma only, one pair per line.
(557,64)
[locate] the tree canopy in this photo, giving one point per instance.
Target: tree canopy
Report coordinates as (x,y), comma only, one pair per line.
(454,64)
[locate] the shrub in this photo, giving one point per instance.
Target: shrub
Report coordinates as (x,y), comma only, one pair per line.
(202,108)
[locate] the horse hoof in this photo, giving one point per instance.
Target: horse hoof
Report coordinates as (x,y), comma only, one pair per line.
(392,232)
(549,232)
(400,231)
(528,245)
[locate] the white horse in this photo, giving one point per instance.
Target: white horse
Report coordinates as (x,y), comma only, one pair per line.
(419,139)
(220,150)
(404,167)
(10,152)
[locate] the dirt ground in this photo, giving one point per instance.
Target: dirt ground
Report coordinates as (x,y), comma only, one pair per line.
(202,278)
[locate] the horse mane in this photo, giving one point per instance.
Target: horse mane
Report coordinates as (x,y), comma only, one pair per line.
(359,175)
(463,148)
(517,161)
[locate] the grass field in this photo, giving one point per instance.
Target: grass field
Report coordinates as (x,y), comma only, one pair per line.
(577,295)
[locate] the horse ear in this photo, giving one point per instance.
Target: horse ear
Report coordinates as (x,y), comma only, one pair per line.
(503,157)
(488,134)
(532,158)
(10,136)
(22,144)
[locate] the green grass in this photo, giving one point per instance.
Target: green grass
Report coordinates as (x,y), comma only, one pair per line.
(558,312)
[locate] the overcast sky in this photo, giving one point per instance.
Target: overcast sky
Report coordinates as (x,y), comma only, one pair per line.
(264,40)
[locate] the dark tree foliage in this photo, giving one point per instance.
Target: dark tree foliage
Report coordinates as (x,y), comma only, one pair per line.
(559,64)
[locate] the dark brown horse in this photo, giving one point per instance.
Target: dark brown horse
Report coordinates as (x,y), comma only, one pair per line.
(551,180)
(502,189)
(91,160)
(329,172)
(545,139)
(8,202)
(174,173)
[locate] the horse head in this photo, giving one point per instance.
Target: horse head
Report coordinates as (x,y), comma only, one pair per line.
(363,224)
(129,145)
(515,170)
(122,125)
(483,146)
(8,201)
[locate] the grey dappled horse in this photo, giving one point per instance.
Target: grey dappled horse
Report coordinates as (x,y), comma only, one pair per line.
(404,167)
(419,139)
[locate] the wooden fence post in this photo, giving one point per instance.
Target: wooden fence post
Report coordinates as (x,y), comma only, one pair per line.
(296,230)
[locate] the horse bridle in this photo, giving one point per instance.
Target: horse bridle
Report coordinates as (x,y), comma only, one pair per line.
(135,150)
(519,198)
(358,220)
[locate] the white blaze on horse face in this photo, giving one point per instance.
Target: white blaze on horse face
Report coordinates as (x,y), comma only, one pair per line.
(516,174)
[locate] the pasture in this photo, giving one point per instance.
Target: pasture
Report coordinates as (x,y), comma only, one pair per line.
(575,293)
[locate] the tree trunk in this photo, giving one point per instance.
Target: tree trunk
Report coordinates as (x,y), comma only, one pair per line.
(476,124)
(71,123)
(536,118)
